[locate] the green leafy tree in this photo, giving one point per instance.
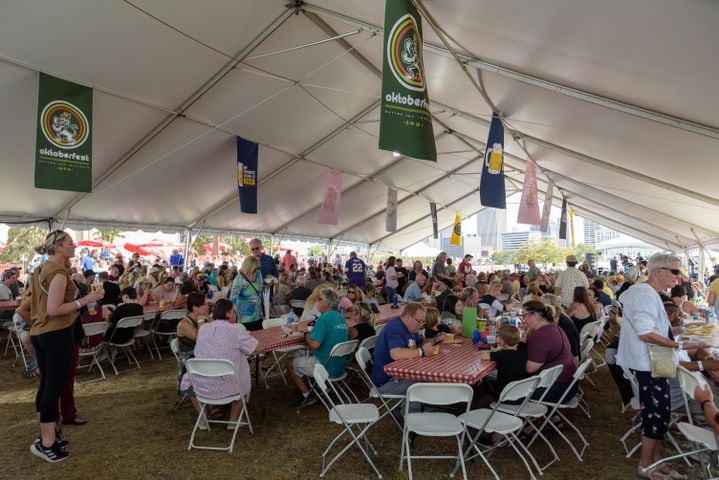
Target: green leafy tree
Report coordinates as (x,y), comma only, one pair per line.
(315,251)
(237,244)
(111,235)
(504,257)
(583,248)
(21,244)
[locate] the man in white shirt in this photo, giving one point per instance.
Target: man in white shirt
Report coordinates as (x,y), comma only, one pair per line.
(568,280)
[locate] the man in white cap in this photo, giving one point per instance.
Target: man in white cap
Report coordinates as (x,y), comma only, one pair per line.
(568,280)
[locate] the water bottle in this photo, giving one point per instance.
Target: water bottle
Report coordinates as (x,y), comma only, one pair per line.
(290,319)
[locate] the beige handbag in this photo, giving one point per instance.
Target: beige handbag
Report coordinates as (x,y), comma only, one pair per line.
(662,361)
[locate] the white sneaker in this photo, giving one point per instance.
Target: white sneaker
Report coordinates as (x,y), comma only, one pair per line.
(203,425)
(231,426)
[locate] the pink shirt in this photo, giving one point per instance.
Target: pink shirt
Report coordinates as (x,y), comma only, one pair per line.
(222,339)
(289,260)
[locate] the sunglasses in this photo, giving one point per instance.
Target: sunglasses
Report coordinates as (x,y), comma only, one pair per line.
(675,271)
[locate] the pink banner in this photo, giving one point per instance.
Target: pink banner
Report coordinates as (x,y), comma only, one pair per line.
(529,205)
(330,209)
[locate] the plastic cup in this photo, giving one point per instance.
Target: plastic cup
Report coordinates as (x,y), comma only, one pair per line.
(450,336)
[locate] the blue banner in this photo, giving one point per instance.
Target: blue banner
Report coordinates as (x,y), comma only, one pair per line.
(247,174)
(491,185)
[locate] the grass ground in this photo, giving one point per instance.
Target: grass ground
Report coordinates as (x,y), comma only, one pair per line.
(134,432)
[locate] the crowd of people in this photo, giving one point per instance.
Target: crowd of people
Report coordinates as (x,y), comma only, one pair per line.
(224,304)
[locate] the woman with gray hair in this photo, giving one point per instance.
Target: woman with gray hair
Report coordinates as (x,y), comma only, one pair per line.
(645,322)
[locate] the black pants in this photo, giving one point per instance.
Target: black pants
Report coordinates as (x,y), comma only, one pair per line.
(252,326)
(54,357)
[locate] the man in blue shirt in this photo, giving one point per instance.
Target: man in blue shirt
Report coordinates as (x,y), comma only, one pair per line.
(329,330)
(267,263)
(87,262)
(356,270)
(176,259)
(399,340)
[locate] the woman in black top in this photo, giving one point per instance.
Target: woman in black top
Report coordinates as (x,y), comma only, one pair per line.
(129,308)
(365,319)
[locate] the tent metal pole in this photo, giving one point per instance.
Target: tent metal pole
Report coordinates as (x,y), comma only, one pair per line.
(186,256)
(185,105)
(536,81)
(231,199)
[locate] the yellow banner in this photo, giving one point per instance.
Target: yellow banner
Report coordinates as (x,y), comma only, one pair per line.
(456,231)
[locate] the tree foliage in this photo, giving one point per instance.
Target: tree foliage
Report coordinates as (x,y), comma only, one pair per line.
(237,244)
(315,251)
(504,257)
(111,235)
(21,244)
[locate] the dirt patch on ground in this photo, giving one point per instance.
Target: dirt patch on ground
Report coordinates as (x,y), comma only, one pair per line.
(134,432)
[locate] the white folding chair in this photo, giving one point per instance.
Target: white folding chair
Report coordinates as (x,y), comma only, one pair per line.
(389,401)
(507,424)
(378,328)
(168,316)
(435,424)
(556,409)
(350,415)
(368,342)
(14,339)
(280,354)
(175,348)
(299,305)
(92,329)
(126,346)
(341,352)
(535,410)
(266,302)
(211,367)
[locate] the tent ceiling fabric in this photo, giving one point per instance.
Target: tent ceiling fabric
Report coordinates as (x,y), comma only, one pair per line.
(627,135)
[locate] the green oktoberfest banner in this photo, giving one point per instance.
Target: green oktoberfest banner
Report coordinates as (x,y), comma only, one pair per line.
(405,121)
(63,146)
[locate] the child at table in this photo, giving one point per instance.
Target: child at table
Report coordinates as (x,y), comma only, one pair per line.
(369,291)
(433,326)
(510,357)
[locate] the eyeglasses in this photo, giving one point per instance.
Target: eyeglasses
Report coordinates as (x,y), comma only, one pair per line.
(527,313)
(421,321)
(254,249)
(675,271)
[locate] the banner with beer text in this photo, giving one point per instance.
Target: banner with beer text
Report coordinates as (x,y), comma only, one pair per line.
(563,221)
(529,204)
(63,141)
(330,209)
(491,185)
(547,208)
(247,181)
(391,218)
(433,213)
(456,238)
(405,121)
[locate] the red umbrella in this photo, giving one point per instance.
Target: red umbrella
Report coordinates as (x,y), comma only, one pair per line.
(222,246)
(155,243)
(131,247)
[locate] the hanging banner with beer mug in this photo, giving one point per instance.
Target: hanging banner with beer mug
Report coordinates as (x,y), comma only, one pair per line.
(405,121)
(391,219)
(491,185)
(330,208)
(63,141)
(247,156)
(547,208)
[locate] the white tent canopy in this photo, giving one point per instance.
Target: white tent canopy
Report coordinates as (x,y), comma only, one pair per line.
(615,101)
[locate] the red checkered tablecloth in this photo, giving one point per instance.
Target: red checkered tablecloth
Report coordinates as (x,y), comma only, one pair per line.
(274,338)
(9,305)
(455,363)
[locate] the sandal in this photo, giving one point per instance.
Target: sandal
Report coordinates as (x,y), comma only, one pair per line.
(655,474)
(671,473)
